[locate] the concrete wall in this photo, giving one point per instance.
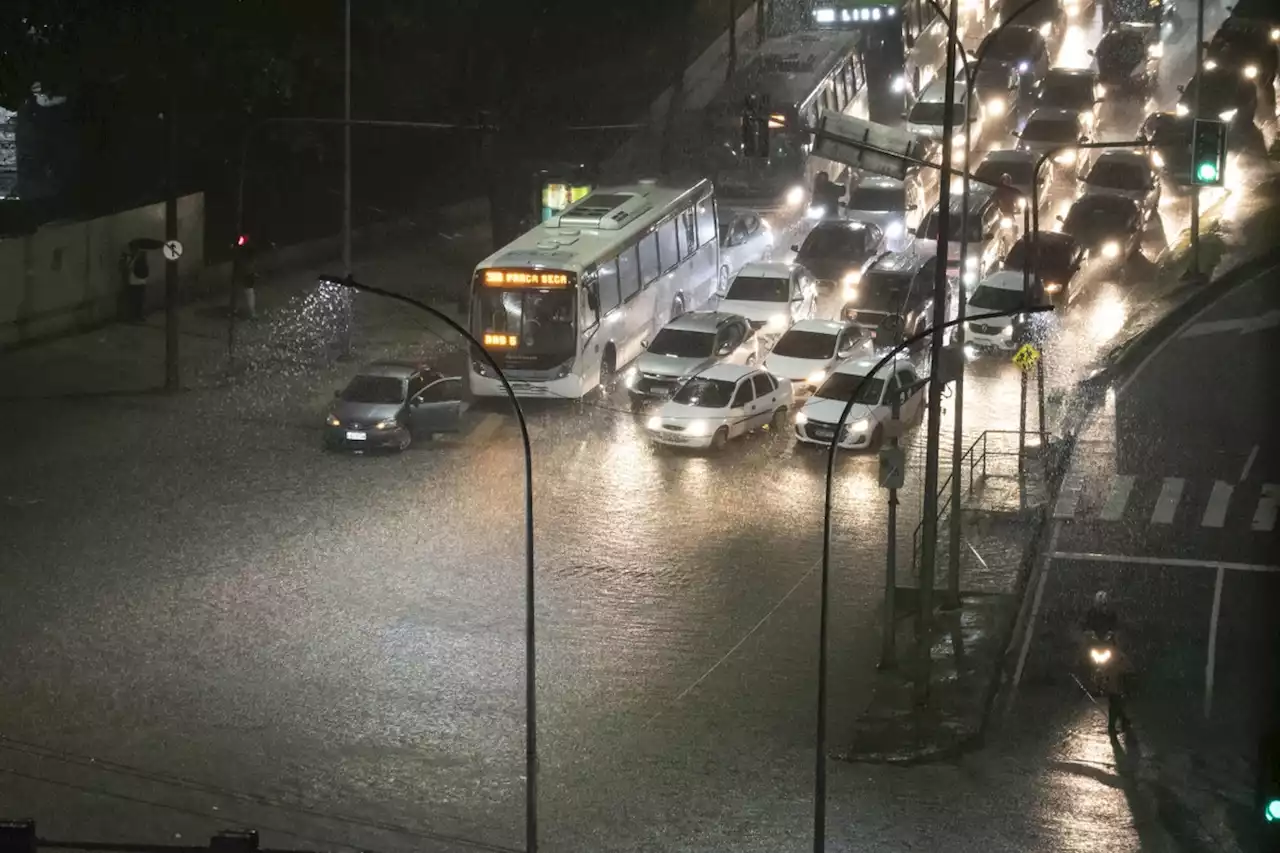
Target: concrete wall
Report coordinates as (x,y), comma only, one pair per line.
(66,276)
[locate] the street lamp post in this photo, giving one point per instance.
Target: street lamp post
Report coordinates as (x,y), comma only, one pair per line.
(820,738)
(347,302)
(347,282)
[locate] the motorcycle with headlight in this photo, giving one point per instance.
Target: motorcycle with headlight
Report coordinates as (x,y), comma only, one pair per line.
(1102,654)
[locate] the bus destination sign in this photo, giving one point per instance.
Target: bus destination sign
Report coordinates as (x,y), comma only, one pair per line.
(525,278)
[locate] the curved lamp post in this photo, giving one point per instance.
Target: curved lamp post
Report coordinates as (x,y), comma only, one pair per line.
(820,744)
(530,649)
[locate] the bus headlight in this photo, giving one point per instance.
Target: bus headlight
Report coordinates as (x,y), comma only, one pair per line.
(795,197)
(1111,249)
(1251,72)
(997,106)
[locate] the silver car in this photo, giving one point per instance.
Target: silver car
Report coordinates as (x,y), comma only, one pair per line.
(1127,174)
(886,203)
(390,403)
(1051,129)
(687,346)
(745,236)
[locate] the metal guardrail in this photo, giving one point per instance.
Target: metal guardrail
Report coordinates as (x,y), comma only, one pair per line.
(19,836)
(976,457)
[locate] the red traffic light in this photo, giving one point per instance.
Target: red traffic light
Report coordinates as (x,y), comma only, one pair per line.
(242,240)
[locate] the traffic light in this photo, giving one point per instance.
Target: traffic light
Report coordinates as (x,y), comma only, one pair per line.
(242,241)
(1208,152)
(755,128)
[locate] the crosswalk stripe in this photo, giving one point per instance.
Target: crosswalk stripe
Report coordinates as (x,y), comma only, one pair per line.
(1167,503)
(1118,499)
(1215,514)
(1264,519)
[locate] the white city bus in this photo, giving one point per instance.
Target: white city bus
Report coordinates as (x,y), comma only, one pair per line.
(565,306)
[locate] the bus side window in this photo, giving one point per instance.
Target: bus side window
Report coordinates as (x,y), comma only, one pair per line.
(650,269)
(590,302)
(706,221)
(628,274)
(687,234)
(607,276)
(668,253)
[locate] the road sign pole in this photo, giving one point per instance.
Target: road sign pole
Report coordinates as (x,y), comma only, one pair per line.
(172,368)
(888,640)
(1194,268)
(1022,438)
(1044,435)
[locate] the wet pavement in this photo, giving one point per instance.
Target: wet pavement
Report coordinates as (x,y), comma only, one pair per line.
(210,621)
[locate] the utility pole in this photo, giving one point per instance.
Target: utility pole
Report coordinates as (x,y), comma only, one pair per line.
(1194,268)
(761,32)
(172,370)
(929,532)
(888,643)
(347,298)
(1044,435)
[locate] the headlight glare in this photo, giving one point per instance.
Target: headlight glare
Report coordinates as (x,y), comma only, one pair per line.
(655,423)
(861,425)
(333,421)
(795,197)
(389,423)
(777,322)
(801,419)
(1111,249)
(698,428)
(816,377)
(630,379)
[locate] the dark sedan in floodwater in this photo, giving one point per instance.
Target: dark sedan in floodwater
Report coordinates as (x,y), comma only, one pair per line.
(390,403)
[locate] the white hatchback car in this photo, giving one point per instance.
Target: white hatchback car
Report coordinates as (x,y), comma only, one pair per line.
(864,429)
(808,351)
(771,296)
(722,402)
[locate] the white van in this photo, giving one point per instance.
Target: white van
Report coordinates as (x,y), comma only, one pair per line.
(1002,291)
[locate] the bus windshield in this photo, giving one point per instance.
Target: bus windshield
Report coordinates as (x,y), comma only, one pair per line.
(543,319)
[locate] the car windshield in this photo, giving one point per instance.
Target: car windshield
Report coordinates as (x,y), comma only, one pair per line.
(929,228)
(1121,49)
(756,288)
(838,241)
(877,199)
(1011,44)
(1099,214)
(987,298)
(842,386)
(1019,171)
(543,320)
(708,393)
(374,389)
(927,112)
(886,292)
(1053,255)
(683,343)
(1120,176)
(1068,91)
(803,344)
(1050,130)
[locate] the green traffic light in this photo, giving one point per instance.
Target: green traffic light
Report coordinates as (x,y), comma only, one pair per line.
(1272,810)
(1207,172)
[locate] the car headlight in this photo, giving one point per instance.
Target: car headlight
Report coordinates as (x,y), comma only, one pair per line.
(1155,51)
(997,106)
(895,229)
(1022,203)
(1066,158)
(899,85)
(630,378)
(860,425)
(1157,160)
(795,197)
(1181,109)
(817,211)
(969,279)
(1275,33)
(1006,222)
(851,278)
(1024,67)
(1210,65)
(777,321)
(1007,332)
(1111,249)
(332,420)
(654,422)
(698,428)
(816,377)
(957,142)
(1100,655)
(1227,115)
(1251,72)
(1099,91)
(1052,287)
(971,263)
(389,423)
(801,419)
(1086,116)
(1046,28)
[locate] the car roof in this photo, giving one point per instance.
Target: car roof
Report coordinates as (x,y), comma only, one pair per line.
(880,182)
(1046,239)
(1053,114)
(862,365)
(905,261)
(702,321)
(766,270)
(1007,155)
(392,368)
(1129,158)
(1138,27)
(1103,200)
(1021,30)
(978,195)
(825,327)
(1003,280)
(1063,71)
(935,92)
(727,372)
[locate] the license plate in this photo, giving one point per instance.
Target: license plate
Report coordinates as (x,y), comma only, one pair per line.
(661,390)
(824,434)
(674,439)
(357,436)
